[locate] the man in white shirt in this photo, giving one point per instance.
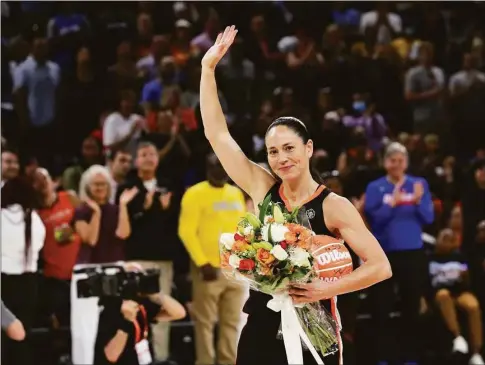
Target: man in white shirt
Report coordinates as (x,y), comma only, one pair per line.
(382,24)
(122,129)
(469,76)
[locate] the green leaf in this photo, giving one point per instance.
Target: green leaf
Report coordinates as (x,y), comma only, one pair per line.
(263,207)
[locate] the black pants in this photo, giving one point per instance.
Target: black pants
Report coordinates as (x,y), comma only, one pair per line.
(258,343)
(409,275)
(56,299)
(19,293)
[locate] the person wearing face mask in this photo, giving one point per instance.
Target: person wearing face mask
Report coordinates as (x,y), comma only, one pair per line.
(365,116)
(208,209)
(397,206)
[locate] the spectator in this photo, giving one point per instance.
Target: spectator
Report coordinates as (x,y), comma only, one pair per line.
(209,208)
(13,328)
(424,86)
(380,26)
(467,89)
(102,227)
(182,50)
(124,74)
(397,206)
(61,246)
(364,115)
(450,285)
(206,39)
(90,155)
(119,165)
(23,235)
(122,128)
(144,26)
(81,101)
(67,31)
(151,240)
(148,65)
(35,85)
(155,92)
(173,149)
(10,166)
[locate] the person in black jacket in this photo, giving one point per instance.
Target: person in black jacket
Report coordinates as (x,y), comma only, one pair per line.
(152,242)
(124,327)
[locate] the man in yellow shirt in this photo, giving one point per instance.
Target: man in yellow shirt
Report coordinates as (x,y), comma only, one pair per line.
(209,209)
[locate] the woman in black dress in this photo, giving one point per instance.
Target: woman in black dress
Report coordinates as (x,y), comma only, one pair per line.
(289,151)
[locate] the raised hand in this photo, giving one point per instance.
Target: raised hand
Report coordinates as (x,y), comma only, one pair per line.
(418,191)
(165,200)
(128,195)
(219,49)
(148,200)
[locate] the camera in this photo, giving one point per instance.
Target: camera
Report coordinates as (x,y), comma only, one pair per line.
(107,281)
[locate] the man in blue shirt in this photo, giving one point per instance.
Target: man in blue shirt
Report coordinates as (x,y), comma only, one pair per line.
(397,206)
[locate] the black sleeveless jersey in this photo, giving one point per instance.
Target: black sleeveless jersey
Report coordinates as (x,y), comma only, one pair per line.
(256,304)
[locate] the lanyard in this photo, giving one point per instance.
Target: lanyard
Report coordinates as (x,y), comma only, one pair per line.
(138,337)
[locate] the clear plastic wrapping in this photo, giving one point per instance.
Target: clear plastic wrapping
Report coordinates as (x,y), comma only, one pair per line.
(271,251)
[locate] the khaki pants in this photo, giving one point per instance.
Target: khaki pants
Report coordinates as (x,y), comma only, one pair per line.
(161,331)
(221,302)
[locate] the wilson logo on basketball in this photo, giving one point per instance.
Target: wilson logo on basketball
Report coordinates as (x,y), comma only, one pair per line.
(333,256)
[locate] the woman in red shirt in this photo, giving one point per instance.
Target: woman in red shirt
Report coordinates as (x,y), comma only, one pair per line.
(61,245)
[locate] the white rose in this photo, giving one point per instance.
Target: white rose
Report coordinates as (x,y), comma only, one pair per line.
(299,257)
(279,252)
(227,239)
(248,230)
(277,232)
(234,261)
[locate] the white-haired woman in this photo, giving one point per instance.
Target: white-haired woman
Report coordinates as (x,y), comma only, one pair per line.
(102,227)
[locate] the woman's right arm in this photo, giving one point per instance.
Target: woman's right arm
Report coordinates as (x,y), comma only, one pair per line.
(250,177)
(89,232)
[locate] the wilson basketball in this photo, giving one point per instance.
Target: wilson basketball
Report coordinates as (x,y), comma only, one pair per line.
(332,258)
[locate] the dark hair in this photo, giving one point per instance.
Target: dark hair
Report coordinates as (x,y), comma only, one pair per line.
(300,129)
(115,151)
(19,191)
(145,144)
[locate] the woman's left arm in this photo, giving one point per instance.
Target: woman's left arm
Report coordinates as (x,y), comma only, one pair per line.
(341,215)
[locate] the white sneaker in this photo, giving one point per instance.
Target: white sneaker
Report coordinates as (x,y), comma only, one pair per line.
(476,359)
(460,345)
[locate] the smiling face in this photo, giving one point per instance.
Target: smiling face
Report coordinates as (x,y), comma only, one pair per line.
(99,188)
(288,155)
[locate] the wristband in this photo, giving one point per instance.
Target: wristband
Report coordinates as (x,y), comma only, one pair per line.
(126,326)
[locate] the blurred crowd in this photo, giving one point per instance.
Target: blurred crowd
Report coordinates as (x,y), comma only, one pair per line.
(100,101)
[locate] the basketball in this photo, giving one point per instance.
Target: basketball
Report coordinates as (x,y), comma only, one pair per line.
(332,258)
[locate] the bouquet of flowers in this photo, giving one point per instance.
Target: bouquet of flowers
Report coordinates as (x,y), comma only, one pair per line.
(270,252)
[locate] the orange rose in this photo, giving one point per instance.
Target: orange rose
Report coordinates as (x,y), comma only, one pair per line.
(264,257)
(240,246)
(290,237)
(264,270)
(225,259)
